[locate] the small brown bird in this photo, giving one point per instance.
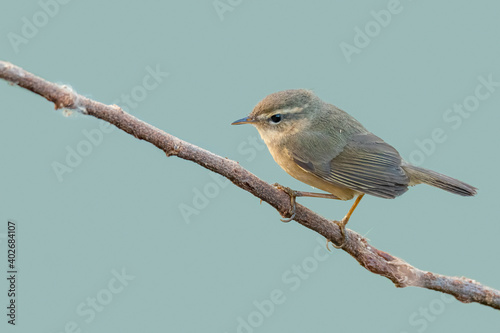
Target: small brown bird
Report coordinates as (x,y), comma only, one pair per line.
(323,146)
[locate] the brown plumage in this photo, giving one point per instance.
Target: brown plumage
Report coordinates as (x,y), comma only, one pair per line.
(323,146)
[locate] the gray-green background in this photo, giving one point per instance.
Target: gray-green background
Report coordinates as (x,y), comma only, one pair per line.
(119,209)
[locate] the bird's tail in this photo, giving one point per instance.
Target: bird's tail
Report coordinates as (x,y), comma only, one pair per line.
(420,175)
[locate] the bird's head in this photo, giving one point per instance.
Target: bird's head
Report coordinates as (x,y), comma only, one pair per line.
(282,114)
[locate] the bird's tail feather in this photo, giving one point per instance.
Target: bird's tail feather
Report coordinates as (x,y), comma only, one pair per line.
(426,176)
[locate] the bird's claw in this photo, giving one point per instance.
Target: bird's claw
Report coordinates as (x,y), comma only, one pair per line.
(293,203)
(341,225)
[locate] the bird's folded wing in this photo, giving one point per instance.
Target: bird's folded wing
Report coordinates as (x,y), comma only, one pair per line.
(366,164)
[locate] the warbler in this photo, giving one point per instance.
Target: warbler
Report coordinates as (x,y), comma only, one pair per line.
(323,146)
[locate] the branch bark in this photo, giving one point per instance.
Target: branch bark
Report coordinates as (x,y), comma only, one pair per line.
(376,261)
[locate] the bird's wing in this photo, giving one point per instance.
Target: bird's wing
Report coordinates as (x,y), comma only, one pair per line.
(366,164)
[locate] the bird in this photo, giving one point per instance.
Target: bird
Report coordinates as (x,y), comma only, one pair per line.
(323,146)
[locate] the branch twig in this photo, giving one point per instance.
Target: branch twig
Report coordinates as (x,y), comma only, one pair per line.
(397,270)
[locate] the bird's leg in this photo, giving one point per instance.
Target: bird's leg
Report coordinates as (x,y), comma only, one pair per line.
(294,194)
(343,223)
(316,195)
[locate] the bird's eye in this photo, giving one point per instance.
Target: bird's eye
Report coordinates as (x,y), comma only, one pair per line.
(275,118)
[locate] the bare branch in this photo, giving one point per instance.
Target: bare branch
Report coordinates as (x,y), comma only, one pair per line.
(397,270)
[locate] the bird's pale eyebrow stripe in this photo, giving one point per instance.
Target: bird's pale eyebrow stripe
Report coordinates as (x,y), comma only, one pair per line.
(296,109)
(289,111)
(282,111)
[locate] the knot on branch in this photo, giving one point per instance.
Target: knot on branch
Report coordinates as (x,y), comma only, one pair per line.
(173,150)
(68,98)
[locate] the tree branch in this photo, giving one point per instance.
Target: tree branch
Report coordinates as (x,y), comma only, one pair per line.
(395,269)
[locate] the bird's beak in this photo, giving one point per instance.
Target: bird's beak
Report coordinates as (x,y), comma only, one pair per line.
(246,120)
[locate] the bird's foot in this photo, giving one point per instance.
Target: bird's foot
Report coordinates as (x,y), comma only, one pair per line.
(341,225)
(293,204)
